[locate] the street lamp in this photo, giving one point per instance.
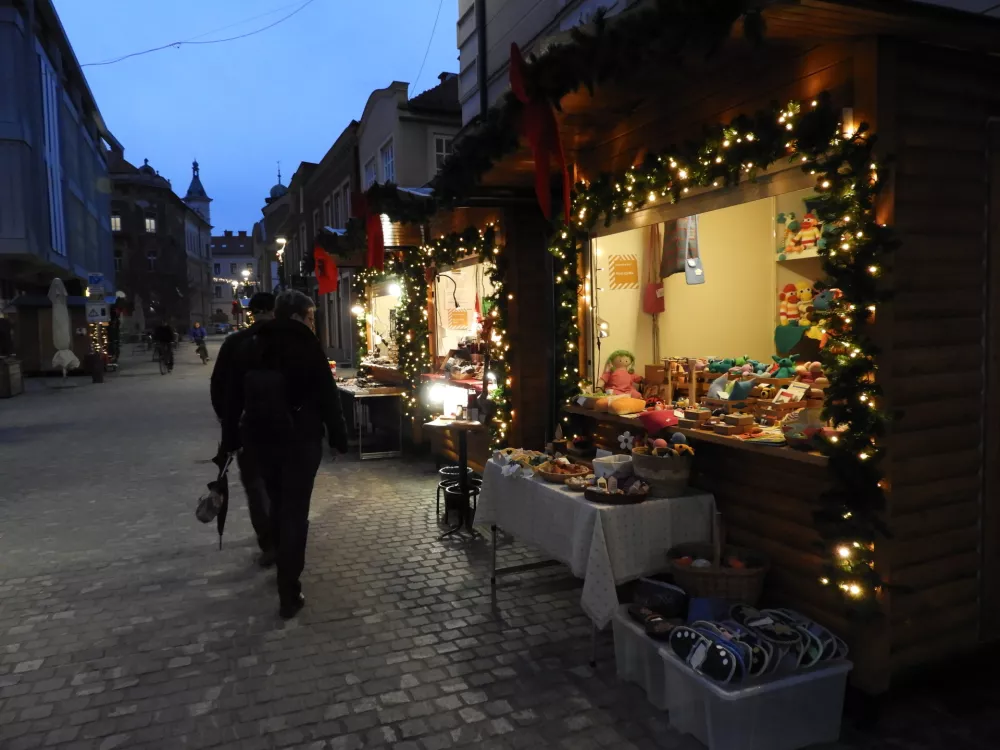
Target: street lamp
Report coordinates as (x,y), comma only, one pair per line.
(281,245)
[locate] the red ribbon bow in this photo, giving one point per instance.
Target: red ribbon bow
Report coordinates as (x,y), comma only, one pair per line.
(326,271)
(539,127)
(373,229)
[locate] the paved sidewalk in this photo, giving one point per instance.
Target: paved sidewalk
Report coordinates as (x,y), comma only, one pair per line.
(122,624)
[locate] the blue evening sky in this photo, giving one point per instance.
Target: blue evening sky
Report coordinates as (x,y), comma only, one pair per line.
(239,107)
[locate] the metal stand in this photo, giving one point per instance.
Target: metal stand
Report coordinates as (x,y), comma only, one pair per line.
(465,509)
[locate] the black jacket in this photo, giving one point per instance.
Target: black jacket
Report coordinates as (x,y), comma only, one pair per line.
(291,348)
(224,364)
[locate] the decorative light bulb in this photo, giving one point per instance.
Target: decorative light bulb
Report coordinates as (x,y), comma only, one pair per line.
(844,552)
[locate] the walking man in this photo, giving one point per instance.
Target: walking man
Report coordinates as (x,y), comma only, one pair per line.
(281,398)
(262,307)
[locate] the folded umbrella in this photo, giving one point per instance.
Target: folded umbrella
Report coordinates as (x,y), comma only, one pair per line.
(215,503)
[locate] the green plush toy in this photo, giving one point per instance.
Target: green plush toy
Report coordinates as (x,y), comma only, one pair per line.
(786,366)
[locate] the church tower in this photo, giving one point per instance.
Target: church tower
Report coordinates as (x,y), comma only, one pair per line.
(196,196)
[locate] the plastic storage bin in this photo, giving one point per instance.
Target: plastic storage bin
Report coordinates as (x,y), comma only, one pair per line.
(778,713)
(637,658)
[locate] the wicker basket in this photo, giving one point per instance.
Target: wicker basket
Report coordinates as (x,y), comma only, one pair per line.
(667,476)
(737,585)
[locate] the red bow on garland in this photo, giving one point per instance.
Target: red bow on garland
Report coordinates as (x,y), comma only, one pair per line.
(373,229)
(539,127)
(326,271)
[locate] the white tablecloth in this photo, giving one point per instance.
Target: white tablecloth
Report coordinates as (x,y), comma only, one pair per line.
(605,545)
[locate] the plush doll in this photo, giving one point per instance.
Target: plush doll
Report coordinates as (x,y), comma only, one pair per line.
(785,366)
(787,244)
(720,365)
(822,305)
(809,233)
(619,374)
(804,291)
(788,306)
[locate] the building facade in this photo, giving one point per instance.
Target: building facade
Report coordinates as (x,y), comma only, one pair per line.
(234,275)
(405,141)
(268,243)
(161,247)
(54,188)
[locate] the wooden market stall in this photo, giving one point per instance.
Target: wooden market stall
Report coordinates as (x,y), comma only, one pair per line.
(922,79)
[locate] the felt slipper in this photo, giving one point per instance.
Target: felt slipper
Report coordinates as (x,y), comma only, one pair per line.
(760,650)
(656,626)
(831,645)
(744,649)
(778,633)
(704,655)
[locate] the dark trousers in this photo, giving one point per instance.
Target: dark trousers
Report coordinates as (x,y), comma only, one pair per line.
(258,502)
(289,471)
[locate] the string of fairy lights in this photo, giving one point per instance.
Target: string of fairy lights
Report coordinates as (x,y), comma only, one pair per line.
(413,269)
(847,182)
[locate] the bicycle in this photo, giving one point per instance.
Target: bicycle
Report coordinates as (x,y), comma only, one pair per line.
(163,356)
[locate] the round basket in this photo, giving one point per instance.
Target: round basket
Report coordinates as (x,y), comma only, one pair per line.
(603,498)
(665,475)
(738,585)
(556,478)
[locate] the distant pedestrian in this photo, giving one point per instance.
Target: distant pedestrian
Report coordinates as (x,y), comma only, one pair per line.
(258,503)
(164,337)
(281,397)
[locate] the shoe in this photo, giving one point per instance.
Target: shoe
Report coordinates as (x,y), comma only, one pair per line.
(266,559)
(291,608)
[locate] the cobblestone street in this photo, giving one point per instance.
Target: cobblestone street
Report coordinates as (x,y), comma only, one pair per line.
(123,625)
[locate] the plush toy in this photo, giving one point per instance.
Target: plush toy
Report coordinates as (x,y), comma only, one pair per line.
(809,372)
(804,291)
(787,245)
(822,305)
(788,306)
(619,374)
(720,365)
(809,233)
(785,366)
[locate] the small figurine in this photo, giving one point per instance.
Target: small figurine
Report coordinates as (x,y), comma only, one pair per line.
(619,374)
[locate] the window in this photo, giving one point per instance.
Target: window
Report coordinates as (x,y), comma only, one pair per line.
(151,259)
(232,266)
(118,260)
(53,167)
(335,213)
(442,150)
(315,221)
(218,291)
(327,213)
(150,224)
(217,269)
(388,165)
(116,223)
(371,173)
(250,267)
(223,244)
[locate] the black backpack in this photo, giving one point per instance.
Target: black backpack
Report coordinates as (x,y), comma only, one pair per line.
(267,412)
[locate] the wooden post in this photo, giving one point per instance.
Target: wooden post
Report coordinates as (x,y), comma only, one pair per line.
(693,382)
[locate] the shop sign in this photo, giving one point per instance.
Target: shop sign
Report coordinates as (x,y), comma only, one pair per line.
(624,271)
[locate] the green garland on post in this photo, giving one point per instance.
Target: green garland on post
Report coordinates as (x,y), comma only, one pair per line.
(855,245)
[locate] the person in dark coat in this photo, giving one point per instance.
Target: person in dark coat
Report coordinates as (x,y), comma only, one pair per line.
(281,399)
(262,307)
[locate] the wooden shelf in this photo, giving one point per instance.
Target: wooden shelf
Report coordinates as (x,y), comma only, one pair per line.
(706,437)
(804,255)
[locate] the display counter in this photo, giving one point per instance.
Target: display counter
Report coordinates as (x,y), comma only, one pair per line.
(598,423)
